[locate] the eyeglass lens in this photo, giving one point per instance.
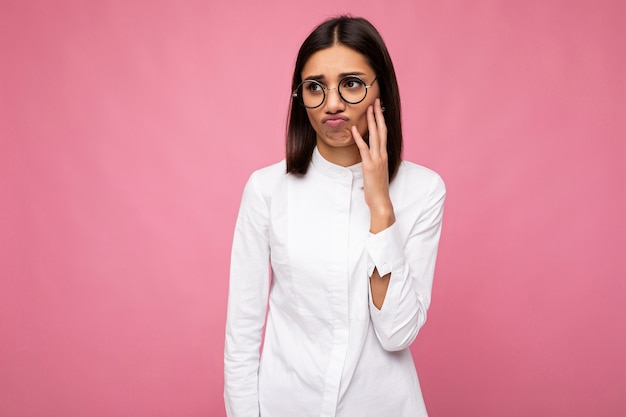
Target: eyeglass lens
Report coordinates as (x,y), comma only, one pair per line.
(312,93)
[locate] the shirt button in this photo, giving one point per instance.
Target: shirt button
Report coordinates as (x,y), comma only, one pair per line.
(344,173)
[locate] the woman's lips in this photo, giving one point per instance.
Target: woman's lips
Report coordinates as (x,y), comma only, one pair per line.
(334,121)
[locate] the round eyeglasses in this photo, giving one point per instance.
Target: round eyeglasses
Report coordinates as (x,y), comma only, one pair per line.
(311,94)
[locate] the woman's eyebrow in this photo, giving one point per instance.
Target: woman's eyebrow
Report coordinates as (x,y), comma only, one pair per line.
(320,77)
(347,74)
(314,77)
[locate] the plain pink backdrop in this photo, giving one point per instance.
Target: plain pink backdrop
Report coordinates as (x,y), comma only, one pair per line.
(127,132)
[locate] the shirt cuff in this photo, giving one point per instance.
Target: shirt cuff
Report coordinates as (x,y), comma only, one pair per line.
(384,249)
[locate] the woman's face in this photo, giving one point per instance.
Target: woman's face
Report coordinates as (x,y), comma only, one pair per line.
(334,118)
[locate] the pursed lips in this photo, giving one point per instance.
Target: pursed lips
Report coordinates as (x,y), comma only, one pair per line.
(334,120)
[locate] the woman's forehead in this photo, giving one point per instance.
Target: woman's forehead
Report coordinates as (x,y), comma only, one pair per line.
(336,62)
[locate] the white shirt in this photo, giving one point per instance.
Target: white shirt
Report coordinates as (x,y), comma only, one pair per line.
(328,351)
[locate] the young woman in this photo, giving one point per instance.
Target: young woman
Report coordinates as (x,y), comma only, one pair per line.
(351,234)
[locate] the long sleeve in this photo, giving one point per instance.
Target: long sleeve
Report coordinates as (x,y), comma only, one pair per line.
(411,261)
(247,303)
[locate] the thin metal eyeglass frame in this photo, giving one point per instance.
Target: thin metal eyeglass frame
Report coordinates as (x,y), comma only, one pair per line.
(324,89)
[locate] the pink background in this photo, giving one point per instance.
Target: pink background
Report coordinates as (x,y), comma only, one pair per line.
(128,129)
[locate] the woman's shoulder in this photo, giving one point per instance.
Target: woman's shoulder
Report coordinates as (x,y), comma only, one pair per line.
(267,178)
(418,174)
(417,184)
(270,173)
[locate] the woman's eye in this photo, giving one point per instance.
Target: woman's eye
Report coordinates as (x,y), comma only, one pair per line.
(352,83)
(314,87)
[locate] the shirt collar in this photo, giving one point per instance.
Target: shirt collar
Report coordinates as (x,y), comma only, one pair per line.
(334,170)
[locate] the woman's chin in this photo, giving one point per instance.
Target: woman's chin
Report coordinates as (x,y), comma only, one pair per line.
(343,137)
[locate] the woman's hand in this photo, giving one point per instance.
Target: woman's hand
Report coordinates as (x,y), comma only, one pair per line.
(376,169)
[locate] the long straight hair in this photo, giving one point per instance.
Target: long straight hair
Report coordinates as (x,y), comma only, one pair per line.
(361,36)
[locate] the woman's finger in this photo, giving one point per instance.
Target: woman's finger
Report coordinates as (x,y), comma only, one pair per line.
(381,128)
(374,140)
(360,143)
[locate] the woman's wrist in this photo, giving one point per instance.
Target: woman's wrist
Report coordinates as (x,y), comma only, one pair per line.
(381,217)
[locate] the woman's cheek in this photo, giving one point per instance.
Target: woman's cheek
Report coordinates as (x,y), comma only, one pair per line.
(313,120)
(362,126)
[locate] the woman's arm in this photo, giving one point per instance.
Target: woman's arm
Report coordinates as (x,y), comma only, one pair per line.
(401,278)
(247,303)
(407,266)
(376,187)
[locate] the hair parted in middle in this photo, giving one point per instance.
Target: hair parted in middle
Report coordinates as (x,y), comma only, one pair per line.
(360,35)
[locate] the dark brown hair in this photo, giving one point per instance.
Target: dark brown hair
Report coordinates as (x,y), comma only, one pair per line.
(360,35)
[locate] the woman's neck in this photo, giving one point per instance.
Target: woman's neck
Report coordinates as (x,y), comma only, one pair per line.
(344,156)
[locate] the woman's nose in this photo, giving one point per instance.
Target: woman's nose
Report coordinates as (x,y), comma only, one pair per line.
(334,102)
